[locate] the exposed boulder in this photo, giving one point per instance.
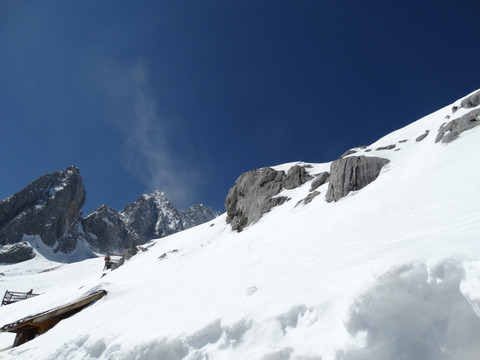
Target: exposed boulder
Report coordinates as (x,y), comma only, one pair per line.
(471,101)
(452,130)
(348,152)
(388,147)
(254,193)
(12,254)
(353,151)
(308,199)
(49,207)
(296,176)
(252,196)
(127,254)
(351,174)
(423,136)
(319,180)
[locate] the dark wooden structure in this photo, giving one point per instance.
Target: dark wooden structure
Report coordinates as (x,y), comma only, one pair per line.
(11,297)
(30,327)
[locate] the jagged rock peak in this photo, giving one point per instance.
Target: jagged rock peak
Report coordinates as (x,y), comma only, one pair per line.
(105,231)
(197,214)
(156,195)
(151,216)
(49,207)
(102,209)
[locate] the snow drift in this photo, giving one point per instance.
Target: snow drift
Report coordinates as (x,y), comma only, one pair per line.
(391,271)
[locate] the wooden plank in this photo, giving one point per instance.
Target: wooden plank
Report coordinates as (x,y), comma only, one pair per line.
(35,320)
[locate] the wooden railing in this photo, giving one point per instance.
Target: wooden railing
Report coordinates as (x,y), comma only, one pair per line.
(14,296)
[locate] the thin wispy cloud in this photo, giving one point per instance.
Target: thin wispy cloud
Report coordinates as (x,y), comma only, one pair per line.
(147,148)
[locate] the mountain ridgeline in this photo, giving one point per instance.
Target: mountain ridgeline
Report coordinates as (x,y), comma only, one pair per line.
(47,213)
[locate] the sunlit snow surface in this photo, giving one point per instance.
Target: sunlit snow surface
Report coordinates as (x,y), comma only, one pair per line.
(389,272)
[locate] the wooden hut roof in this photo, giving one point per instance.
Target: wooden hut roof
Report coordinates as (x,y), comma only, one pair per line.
(59,311)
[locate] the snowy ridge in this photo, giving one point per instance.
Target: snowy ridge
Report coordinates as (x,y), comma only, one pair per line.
(388,272)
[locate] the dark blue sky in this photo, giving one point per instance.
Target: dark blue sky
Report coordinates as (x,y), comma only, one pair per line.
(184,96)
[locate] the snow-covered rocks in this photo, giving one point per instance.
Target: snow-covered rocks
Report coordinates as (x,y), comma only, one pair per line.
(352,173)
(254,193)
(12,254)
(49,210)
(452,130)
(471,101)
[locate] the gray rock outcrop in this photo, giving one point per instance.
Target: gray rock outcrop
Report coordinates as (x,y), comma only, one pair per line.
(255,193)
(308,199)
(319,180)
(348,152)
(296,176)
(423,136)
(452,130)
(49,207)
(471,101)
(388,147)
(351,174)
(128,253)
(12,254)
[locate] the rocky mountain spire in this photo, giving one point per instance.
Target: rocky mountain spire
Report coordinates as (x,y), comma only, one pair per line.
(47,213)
(49,207)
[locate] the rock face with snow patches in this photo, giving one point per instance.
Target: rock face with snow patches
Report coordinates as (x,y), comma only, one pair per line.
(452,130)
(105,231)
(12,254)
(351,174)
(50,210)
(254,193)
(319,180)
(151,216)
(49,207)
(197,214)
(471,101)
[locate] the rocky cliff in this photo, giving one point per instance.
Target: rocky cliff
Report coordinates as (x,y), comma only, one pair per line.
(352,173)
(151,216)
(47,213)
(49,207)
(255,193)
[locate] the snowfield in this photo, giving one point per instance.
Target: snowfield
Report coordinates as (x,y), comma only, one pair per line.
(389,272)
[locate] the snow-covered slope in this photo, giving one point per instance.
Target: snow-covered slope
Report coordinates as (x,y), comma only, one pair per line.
(388,272)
